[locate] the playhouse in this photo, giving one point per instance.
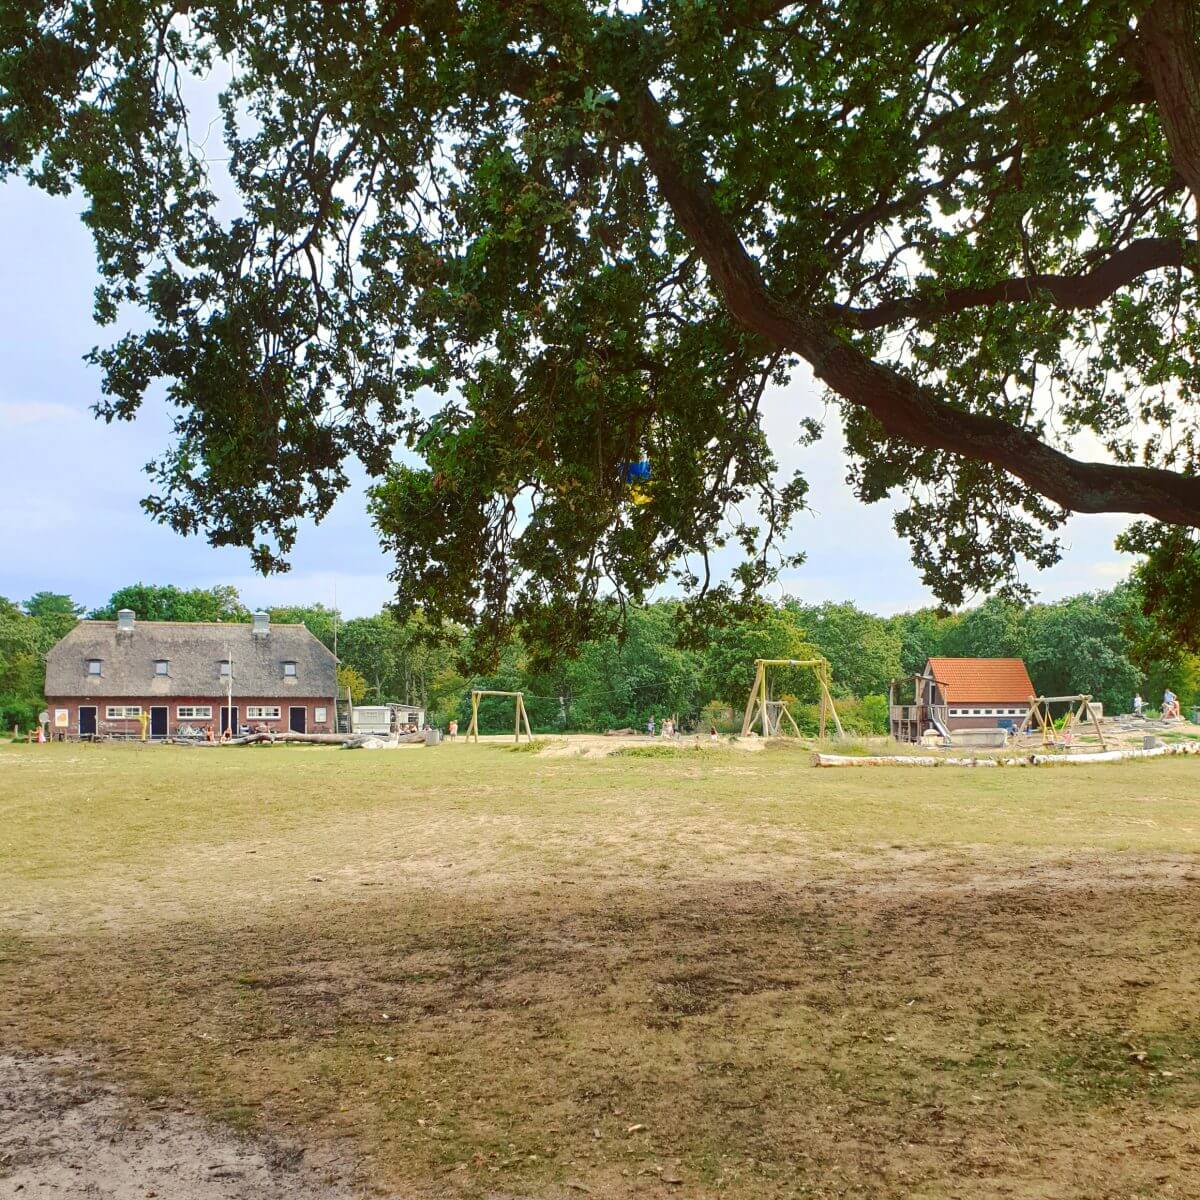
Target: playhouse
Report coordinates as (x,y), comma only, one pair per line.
(955,694)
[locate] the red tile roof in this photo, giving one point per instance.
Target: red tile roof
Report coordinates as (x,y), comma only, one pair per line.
(982,680)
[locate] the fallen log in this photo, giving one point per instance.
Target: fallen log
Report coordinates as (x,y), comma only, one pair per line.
(300,739)
(1031,760)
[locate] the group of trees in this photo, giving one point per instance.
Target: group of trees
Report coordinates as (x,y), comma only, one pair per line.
(596,233)
(1100,643)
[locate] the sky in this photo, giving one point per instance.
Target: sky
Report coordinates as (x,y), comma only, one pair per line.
(70,485)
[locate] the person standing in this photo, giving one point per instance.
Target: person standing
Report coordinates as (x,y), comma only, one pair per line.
(650,725)
(453,730)
(1138,704)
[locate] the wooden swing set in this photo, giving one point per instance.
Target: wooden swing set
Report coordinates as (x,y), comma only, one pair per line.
(520,716)
(1040,717)
(770,714)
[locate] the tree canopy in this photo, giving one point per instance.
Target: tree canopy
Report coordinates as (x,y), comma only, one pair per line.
(166,602)
(537,242)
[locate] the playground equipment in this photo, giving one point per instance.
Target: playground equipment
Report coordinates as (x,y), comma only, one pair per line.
(770,714)
(519,714)
(1040,716)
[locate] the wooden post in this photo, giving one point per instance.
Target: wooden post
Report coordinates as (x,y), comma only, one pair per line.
(525,716)
(837,721)
(753,701)
(1091,712)
(786,712)
(473,728)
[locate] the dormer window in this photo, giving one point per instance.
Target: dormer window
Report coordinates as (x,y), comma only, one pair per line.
(162,666)
(289,669)
(93,666)
(226,668)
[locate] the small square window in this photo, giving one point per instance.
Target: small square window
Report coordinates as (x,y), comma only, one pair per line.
(226,667)
(289,668)
(161,666)
(93,666)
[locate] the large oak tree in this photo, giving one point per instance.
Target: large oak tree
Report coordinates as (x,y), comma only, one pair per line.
(596,232)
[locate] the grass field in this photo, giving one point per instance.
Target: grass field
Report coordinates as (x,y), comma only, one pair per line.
(472,972)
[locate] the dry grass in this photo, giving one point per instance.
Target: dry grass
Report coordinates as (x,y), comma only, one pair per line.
(483,973)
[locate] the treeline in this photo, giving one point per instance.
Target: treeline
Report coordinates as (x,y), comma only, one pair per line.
(1097,643)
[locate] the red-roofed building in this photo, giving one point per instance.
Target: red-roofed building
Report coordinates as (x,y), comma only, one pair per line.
(964,693)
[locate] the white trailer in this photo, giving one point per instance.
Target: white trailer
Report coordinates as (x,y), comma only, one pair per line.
(383,720)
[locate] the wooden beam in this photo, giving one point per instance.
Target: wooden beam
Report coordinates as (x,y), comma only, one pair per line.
(748,719)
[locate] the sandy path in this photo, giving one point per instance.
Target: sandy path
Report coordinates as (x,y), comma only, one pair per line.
(63,1133)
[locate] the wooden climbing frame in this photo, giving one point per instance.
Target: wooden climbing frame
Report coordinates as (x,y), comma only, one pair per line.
(1040,717)
(520,716)
(769,714)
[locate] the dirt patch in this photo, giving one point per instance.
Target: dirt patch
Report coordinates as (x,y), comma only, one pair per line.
(65,1133)
(596,745)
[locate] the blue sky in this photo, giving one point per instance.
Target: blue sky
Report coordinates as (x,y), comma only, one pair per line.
(70,485)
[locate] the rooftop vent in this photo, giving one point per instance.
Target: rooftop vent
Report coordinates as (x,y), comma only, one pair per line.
(262,625)
(125,621)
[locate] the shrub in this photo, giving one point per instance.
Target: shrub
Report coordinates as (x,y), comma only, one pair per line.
(530,747)
(14,711)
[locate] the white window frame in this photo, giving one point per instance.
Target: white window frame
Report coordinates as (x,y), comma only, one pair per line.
(193,712)
(263,712)
(165,663)
(224,668)
(122,712)
(293,672)
(98,663)
(320,716)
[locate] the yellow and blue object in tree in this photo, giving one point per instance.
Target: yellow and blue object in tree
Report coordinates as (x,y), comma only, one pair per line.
(636,476)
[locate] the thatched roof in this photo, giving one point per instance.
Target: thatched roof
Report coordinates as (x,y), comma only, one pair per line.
(193,652)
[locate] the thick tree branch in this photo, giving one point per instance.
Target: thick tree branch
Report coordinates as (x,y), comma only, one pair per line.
(905,409)
(1168,42)
(1085,290)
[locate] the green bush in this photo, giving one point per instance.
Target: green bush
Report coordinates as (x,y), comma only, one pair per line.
(17,711)
(530,747)
(866,717)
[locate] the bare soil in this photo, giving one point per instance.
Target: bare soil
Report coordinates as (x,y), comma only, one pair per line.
(64,1133)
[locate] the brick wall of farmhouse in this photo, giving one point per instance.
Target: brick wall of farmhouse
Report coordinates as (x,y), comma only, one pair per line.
(105,724)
